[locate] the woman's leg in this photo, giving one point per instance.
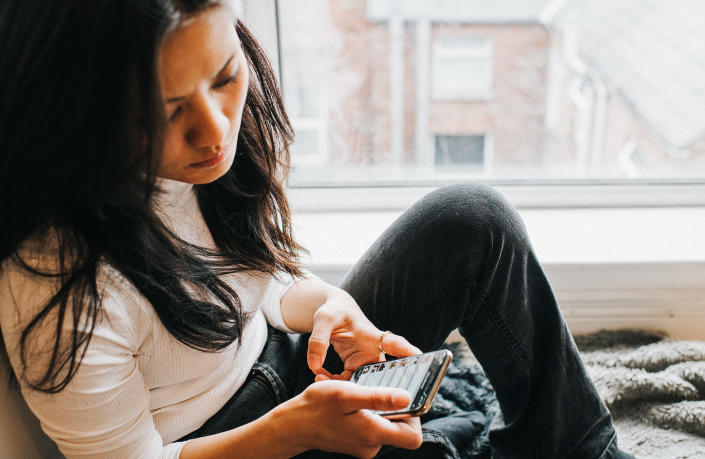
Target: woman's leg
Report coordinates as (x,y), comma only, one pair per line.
(460,258)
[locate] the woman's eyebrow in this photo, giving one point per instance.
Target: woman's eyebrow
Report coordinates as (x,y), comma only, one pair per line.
(176,99)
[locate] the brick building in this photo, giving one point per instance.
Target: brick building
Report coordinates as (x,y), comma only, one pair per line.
(415,88)
(386,90)
(627,87)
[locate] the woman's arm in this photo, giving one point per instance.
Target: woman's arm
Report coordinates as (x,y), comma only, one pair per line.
(263,437)
(333,317)
(330,416)
(302,300)
(104,409)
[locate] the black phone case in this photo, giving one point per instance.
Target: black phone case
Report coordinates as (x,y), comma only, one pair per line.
(421,374)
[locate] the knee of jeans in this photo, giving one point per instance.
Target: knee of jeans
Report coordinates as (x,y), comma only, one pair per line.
(476,208)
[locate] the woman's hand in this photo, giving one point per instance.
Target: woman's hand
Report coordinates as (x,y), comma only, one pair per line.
(340,322)
(333,416)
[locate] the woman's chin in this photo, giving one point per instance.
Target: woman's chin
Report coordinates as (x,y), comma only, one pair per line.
(201,174)
(210,175)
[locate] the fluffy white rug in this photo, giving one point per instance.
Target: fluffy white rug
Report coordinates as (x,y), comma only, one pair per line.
(654,387)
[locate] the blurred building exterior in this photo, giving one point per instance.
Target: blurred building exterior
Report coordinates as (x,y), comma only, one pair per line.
(629,86)
(419,89)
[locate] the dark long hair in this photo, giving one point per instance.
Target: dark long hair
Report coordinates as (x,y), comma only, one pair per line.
(81,132)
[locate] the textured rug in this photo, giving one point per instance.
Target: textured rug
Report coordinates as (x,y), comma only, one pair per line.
(654,386)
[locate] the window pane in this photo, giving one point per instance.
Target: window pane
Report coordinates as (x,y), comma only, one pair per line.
(405,90)
(459,151)
(461,68)
(306,142)
(303,102)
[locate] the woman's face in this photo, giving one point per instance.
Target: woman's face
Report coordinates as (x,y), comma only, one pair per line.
(204,77)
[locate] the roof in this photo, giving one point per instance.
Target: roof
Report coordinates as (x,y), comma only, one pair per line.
(463,11)
(653,53)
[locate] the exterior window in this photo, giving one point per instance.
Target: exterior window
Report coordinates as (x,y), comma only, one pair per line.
(462,68)
(556,87)
(459,152)
(307,109)
(307,145)
(303,102)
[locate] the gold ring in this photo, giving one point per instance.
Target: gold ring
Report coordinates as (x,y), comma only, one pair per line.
(381,337)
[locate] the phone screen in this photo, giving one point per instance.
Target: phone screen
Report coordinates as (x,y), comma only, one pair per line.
(419,375)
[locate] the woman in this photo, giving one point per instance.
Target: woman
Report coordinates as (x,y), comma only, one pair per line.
(149,274)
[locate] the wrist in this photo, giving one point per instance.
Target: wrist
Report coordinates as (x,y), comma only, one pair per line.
(287,429)
(271,436)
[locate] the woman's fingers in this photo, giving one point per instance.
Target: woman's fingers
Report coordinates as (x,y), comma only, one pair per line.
(342,417)
(409,433)
(353,397)
(347,397)
(403,433)
(319,341)
(398,346)
(344,376)
(324,374)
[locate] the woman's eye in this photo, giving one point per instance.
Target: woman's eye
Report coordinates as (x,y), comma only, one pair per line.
(175,114)
(230,80)
(221,84)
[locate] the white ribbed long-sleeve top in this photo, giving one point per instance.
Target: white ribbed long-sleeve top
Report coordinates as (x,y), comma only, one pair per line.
(138,389)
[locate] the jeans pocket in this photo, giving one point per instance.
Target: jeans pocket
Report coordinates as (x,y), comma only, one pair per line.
(270,381)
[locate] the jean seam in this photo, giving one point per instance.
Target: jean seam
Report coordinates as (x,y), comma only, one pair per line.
(506,332)
(275,382)
(587,433)
(496,319)
(508,336)
(609,443)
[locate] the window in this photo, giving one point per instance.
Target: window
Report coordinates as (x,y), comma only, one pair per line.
(561,86)
(459,152)
(462,68)
(307,110)
(587,105)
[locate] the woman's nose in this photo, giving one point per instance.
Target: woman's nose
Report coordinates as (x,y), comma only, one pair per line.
(211,124)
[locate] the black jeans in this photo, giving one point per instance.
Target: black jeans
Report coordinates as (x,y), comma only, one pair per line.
(460,258)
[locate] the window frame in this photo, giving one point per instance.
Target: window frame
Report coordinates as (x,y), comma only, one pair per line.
(564,193)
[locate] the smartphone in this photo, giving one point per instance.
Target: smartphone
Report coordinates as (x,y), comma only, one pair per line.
(420,375)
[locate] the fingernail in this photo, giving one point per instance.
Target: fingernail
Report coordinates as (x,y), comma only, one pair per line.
(401,398)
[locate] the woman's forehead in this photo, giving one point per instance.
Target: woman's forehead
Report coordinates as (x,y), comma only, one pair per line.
(196,50)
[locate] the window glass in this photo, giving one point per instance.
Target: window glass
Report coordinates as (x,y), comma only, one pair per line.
(461,68)
(382,90)
(303,102)
(459,151)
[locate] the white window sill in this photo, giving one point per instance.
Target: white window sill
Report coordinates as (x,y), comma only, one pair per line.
(609,267)
(399,192)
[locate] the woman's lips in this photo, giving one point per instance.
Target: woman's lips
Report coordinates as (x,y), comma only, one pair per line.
(212,161)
